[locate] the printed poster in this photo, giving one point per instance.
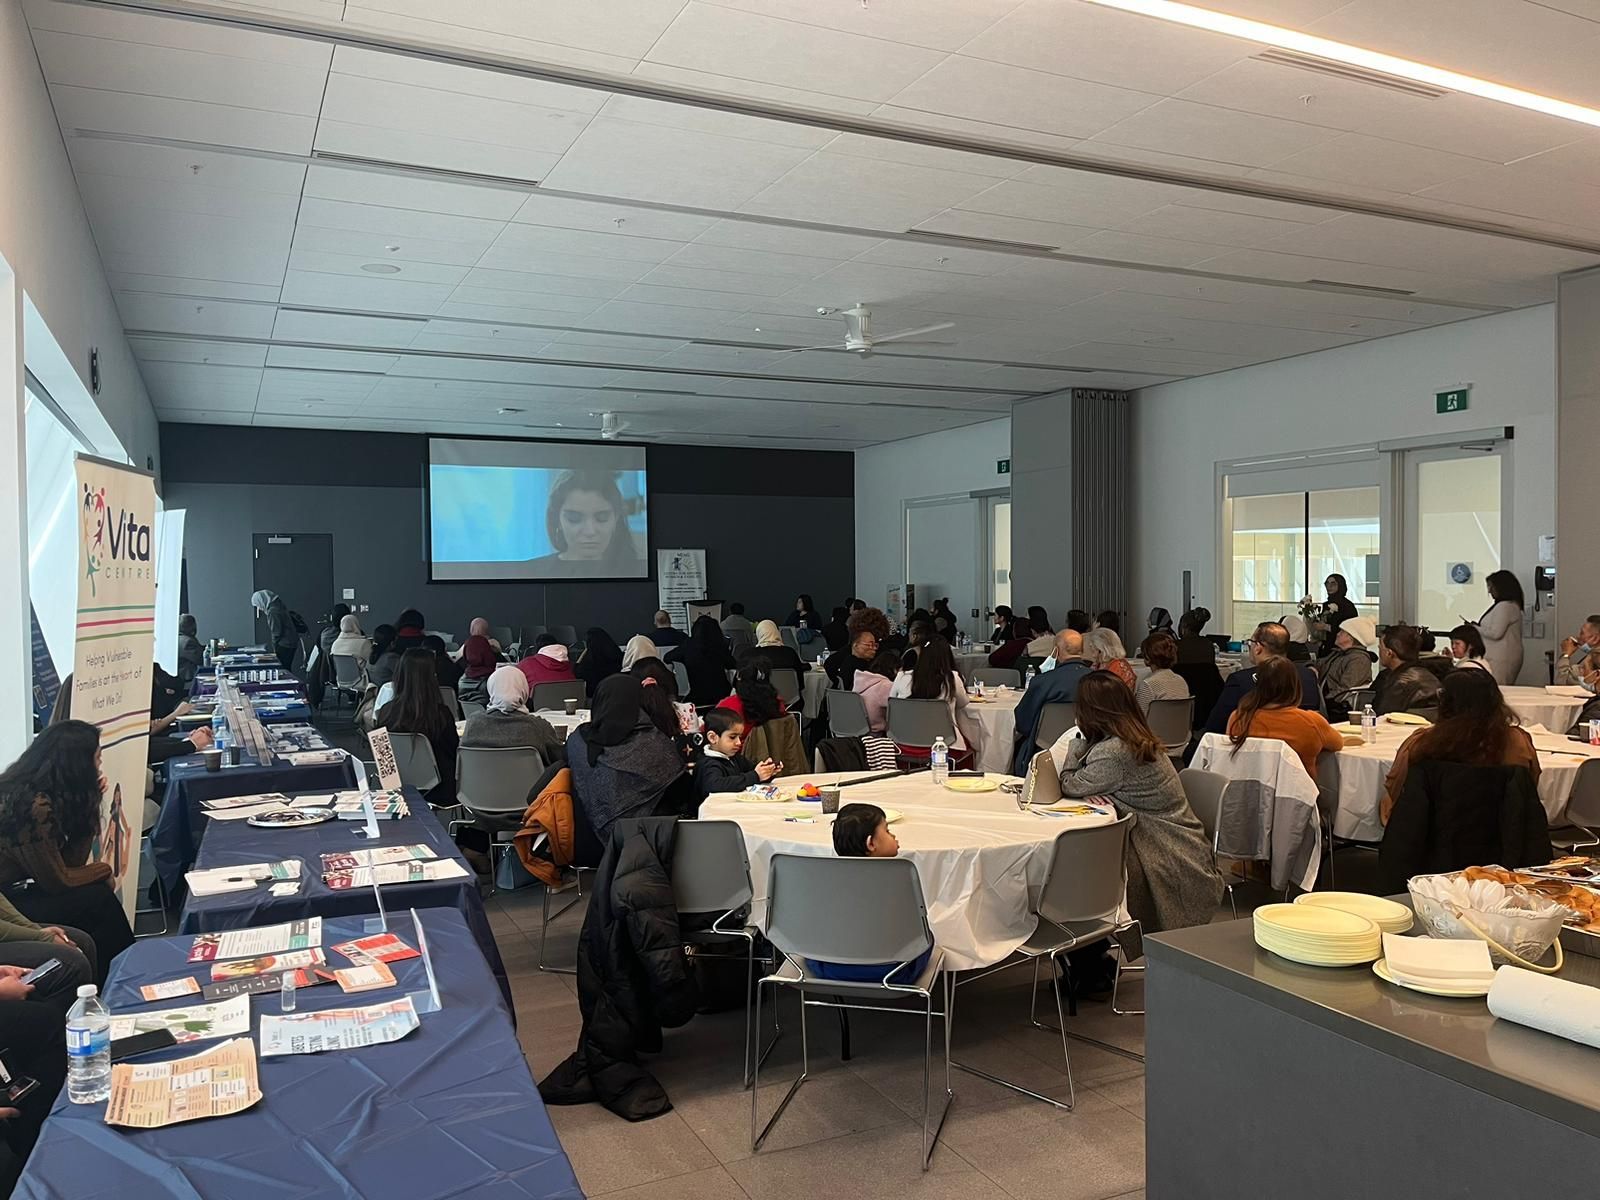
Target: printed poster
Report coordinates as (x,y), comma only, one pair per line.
(114,649)
(680,578)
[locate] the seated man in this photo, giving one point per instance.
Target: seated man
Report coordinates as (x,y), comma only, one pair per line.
(1271,640)
(1403,683)
(1057,683)
(665,634)
(1579,661)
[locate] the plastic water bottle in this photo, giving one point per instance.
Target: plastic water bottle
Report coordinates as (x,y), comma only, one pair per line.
(286,992)
(1369,725)
(1033,673)
(939,760)
(219,727)
(88,1048)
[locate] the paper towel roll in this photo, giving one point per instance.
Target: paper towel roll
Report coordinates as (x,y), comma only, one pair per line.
(1558,1006)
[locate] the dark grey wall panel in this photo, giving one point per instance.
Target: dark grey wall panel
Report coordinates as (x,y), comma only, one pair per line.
(762,547)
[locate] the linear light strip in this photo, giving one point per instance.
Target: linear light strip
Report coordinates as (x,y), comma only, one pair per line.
(1389,64)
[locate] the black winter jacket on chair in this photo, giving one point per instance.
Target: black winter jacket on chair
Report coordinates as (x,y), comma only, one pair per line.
(633,975)
(1452,816)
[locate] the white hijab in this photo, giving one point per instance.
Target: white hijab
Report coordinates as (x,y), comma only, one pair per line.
(638,647)
(508,690)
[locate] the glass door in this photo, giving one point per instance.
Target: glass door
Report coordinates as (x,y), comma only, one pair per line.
(997,558)
(1455,522)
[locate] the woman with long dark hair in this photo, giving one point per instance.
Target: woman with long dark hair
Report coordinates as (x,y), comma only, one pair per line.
(416,707)
(1272,710)
(601,658)
(622,764)
(1172,874)
(805,614)
(672,716)
(707,660)
(50,816)
(1501,627)
(934,677)
(1475,728)
(753,697)
(586,520)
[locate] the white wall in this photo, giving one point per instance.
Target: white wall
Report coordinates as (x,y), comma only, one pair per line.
(956,462)
(45,239)
(1350,396)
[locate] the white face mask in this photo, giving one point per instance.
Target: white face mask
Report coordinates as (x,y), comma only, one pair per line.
(1048,664)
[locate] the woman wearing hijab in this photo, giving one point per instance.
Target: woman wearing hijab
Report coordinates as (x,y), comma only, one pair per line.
(770,652)
(351,641)
(549,663)
(1338,609)
(1160,621)
(707,659)
(622,765)
(282,639)
(506,722)
(601,658)
(191,654)
(478,661)
(638,647)
(385,658)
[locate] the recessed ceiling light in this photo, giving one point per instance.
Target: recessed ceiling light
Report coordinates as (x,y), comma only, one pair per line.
(392,249)
(381,268)
(1356,56)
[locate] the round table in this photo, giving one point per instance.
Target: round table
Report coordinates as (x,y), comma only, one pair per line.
(1555,710)
(980,860)
(1356,776)
(968,661)
(997,713)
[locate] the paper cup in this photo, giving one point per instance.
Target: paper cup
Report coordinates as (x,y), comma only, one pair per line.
(830,799)
(213,759)
(572,707)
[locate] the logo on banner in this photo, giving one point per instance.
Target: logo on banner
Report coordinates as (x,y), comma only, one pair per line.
(120,548)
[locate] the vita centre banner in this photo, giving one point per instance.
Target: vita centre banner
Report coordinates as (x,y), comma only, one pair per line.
(114,649)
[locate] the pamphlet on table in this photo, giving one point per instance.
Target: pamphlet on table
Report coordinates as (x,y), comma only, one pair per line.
(304,977)
(413,872)
(171,989)
(349,806)
(337,1028)
(217,1083)
(190,1023)
(265,939)
(380,947)
(214,881)
(349,860)
(265,963)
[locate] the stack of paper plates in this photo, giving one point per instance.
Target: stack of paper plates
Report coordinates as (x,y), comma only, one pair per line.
(1319,937)
(1385,914)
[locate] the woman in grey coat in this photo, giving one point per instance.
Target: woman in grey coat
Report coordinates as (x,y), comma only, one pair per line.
(1173,880)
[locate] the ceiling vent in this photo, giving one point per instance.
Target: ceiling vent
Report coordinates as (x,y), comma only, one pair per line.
(1360,289)
(1339,70)
(982,243)
(333,158)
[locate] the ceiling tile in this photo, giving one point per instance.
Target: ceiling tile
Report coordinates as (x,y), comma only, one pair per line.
(705,37)
(840,189)
(1209,225)
(1219,134)
(327,263)
(556,285)
(387,294)
(936,24)
(374,247)
(635,220)
(421,195)
(182,120)
(1310,97)
(442,151)
(1524,190)
(144,29)
(174,350)
(624,28)
(1374,162)
(402,223)
(1021,99)
(340,330)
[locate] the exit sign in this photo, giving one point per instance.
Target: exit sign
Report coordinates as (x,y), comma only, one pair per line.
(1002,466)
(1455,400)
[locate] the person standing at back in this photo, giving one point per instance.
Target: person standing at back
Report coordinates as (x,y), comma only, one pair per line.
(282,639)
(1338,609)
(1271,640)
(1501,627)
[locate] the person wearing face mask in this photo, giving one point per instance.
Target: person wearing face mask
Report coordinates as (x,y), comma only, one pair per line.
(1579,661)
(1059,684)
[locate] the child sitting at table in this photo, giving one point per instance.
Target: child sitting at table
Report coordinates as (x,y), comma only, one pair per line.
(862,831)
(721,767)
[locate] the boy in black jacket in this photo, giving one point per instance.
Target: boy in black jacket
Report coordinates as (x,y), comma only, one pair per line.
(721,767)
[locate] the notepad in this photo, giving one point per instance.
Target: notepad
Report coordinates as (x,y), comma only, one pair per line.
(1434,960)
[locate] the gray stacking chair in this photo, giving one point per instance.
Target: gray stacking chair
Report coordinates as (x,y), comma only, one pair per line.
(996,676)
(493,782)
(1173,722)
(787,684)
(1078,905)
(1054,720)
(413,758)
(857,912)
(919,722)
(554,696)
(847,714)
(1204,790)
(451,701)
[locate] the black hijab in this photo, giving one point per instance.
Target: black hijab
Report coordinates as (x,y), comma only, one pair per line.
(613,714)
(601,652)
(706,634)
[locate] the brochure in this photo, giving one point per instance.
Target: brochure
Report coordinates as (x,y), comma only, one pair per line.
(251,943)
(251,984)
(171,989)
(217,1083)
(380,947)
(416,872)
(268,963)
(337,1028)
(366,977)
(213,881)
(190,1023)
(348,860)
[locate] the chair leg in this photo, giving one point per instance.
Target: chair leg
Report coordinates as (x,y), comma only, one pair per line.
(1066,1055)
(755,1086)
(1116,982)
(844,1035)
(1033,1009)
(931,1140)
(752,1027)
(544,928)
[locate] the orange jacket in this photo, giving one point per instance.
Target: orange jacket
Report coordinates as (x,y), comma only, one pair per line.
(550,813)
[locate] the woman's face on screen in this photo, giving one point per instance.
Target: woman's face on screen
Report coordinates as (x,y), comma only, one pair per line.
(587,524)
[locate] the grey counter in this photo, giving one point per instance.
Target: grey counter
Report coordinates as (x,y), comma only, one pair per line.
(1309,1082)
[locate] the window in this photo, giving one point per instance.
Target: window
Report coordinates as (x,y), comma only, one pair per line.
(52,535)
(1285,545)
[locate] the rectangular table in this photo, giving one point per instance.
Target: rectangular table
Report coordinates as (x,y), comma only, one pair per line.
(173,837)
(233,843)
(1332,1083)
(449,1110)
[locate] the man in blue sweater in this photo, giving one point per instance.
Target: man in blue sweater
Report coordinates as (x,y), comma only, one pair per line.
(1057,685)
(1271,640)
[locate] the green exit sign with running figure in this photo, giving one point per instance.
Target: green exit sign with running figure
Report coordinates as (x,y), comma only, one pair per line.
(1455,400)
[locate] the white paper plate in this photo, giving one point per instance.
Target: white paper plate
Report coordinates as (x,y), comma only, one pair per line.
(1312,921)
(1438,988)
(1387,915)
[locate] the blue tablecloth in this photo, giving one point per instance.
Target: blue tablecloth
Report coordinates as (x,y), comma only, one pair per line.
(449,1110)
(296,712)
(172,840)
(204,686)
(232,843)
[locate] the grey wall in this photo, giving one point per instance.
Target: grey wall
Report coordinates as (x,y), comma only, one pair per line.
(1577,435)
(773,523)
(1041,504)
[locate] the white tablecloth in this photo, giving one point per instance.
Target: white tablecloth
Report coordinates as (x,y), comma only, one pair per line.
(1356,774)
(1536,706)
(997,713)
(981,861)
(967,661)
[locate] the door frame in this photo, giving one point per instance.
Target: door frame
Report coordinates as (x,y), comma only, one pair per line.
(976,582)
(1406,462)
(257,540)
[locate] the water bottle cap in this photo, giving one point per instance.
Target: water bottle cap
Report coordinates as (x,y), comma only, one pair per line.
(86,990)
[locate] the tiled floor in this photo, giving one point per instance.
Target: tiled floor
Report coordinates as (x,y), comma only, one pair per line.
(852,1129)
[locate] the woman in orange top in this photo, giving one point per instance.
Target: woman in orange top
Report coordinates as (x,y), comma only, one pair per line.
(1273,711)
(1475,727)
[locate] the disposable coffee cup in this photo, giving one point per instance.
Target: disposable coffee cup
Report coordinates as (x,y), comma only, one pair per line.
(572,707)
(830,799)
(233,756)
(213,759)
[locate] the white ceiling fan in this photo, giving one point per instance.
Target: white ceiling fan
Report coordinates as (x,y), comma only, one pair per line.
(858,335)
